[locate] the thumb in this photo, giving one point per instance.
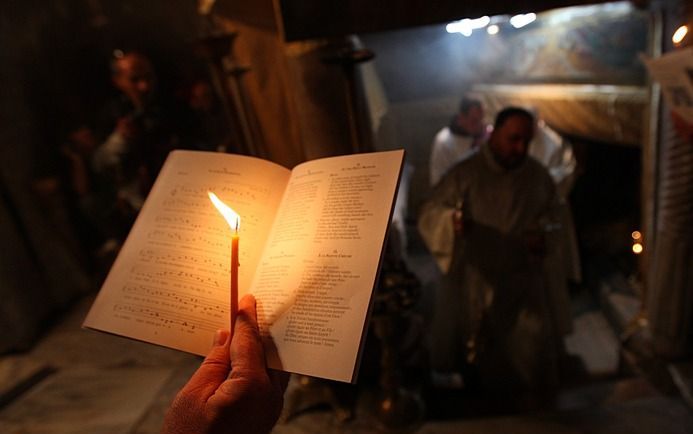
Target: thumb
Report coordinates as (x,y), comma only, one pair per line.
(214,369)
(246,351)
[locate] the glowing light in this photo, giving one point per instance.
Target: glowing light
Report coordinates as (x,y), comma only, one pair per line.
(637,248)
(467,26)
(679,34)
(519,21)
(492,29)
(234,221)
(231,217)
(636,235)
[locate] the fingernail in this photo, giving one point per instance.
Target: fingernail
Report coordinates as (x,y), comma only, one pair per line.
(220,337)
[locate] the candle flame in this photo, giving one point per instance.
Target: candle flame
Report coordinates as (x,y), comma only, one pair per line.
(637,248)
(231,217)
(679,35)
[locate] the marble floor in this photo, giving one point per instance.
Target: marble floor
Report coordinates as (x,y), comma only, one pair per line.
(77,380)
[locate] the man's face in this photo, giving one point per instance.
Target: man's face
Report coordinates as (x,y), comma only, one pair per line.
(510,142)
(135,78)
(473,121)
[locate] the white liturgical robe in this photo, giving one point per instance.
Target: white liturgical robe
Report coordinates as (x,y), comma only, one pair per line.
(447,150)
(495,291)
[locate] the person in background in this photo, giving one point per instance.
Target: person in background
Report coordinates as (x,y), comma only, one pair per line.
(547,147)
(497,321)
(453,143)
(82,193)
(467,131)
(139,129)
(214,134)
(79,211)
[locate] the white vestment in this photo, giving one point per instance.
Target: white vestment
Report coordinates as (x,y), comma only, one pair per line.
(447,150)
(495,291)
(548,148)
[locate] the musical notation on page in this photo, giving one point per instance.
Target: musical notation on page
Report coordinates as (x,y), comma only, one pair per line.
(163,318)
(182,259)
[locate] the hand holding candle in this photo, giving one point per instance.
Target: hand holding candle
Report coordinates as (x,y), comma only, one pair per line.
(233,219)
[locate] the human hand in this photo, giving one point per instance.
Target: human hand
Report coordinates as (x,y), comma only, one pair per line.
(232,391)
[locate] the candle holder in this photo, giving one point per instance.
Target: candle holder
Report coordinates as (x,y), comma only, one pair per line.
(399,406)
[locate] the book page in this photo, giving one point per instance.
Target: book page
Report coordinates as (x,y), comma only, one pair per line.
(315,279)
(170,284)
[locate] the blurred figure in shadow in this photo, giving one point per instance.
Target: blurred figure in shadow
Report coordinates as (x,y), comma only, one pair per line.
(72,183)
(81,192)
(497,323)
(140,127)
(215,134)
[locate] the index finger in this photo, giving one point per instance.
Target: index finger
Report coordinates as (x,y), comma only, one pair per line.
(246,351)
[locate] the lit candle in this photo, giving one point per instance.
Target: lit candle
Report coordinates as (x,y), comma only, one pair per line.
(234,274)
(233,220)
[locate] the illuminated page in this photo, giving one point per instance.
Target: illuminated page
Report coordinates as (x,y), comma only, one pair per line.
(316,277)
(170,284)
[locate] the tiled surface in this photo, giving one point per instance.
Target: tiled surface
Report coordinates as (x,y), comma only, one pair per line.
(18,373)
(107,384)
(150,423)
(641,416)
(68,345)
(605,393)
(89,400)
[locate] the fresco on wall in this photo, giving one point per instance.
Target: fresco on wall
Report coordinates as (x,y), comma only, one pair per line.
(595,44)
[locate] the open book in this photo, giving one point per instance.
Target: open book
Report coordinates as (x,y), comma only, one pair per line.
(311,241)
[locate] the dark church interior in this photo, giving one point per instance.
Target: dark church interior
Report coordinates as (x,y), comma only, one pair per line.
(296,80)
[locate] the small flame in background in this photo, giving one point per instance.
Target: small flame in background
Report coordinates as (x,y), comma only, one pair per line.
(637,242)
(231,216)
(679,35)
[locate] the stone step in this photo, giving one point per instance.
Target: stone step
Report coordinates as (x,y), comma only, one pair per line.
(682,375)
(604,393)
(85,399)
(18,374)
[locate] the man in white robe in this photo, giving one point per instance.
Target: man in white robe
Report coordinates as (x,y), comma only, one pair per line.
(456,141)
(495,310)
(467,131)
